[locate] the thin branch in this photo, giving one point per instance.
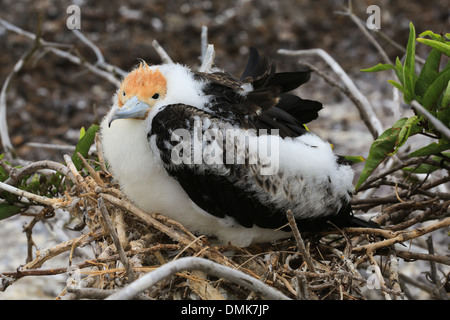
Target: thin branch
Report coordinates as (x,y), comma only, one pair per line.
(31,196)
(193,263)
(442,128)
(52,47)
(208,60)
(403,236)
(362,103)
(365,31)
(378,273)
(204,42)
(300,244)
(15,175)
(5,139)
(100,58)
(47,254)
(115,237)
(161,52)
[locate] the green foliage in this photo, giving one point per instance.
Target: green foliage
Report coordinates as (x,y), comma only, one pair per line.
(45,185)
(430,88)
(84,144)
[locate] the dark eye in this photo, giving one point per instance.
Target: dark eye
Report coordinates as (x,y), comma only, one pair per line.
(155,96)
(123,93)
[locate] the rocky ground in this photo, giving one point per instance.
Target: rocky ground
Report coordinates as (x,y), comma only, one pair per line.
(50,99)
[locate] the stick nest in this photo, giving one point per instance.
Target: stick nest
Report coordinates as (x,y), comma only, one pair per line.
(128,243)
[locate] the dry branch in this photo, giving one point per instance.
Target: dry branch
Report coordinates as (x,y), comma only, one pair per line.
(361,102)
(192,263)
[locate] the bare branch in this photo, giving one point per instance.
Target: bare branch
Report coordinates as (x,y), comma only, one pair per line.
(300,244)
(442,128)
(208,60)
(162,53)
(52,47)
(193,263)
(115,237)
(362,103)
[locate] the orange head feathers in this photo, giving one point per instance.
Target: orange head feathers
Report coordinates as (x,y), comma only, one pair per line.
(145,83)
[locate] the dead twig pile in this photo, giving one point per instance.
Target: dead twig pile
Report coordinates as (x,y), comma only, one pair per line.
(129,243)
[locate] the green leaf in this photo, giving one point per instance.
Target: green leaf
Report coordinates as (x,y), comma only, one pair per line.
(399,70)
(379,67)
(409,75)
(429,72)
(444,116)
(354,159)
(431,149)
(436,89)
(446,98)
(423,168)
(82,133)
(84,144)
(7,210)
(427,168)
(431,34)
(439,45)
(387,144)
(397,85)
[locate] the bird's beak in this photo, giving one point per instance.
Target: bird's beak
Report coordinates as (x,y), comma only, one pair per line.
(133,108)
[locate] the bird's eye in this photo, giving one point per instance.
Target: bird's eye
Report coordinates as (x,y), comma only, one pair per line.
(155,96)
(123,94)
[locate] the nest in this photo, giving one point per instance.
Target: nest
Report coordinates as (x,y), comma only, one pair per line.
(129,244)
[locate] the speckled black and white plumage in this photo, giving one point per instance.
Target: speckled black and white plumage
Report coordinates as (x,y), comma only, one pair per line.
(230,199)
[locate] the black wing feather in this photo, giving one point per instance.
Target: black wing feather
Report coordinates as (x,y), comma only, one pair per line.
(226,194)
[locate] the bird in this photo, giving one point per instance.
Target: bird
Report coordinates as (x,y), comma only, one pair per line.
(226,156)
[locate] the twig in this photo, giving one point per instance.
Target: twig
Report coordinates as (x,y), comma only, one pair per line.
(15,175)
(362,103)
(46,254)
(441,292)
(393,274)
(6,141)
(79,180)
(31,196)
(204,43)
(403,236)
(100,58)
(416,283)
(363,28)
(90,44)
(409,256)
(161,52)
(113,233)
(52,47)
(192,263)
(208,60)
(378,273)
(91,170)
(96,294)
(442,128)
(300,244)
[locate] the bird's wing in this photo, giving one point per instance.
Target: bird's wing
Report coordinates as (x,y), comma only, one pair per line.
(221,189)
(268,105)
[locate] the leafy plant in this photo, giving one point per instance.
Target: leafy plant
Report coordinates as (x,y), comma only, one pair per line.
(40,184)
(84,144)
(431,89)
